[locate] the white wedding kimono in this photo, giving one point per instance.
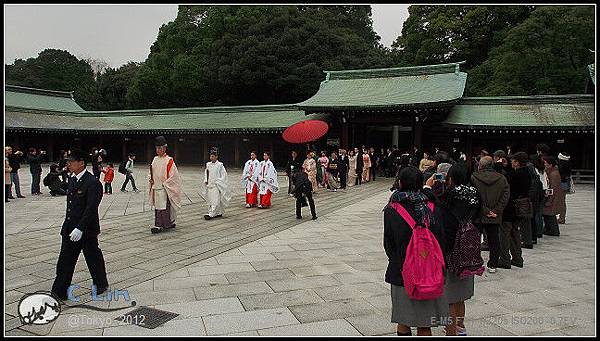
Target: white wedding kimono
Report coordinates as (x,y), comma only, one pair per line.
(251,169)
(217,191)
(267,178)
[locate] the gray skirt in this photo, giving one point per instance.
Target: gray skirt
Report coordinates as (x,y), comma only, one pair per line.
(414,313)
(458,290)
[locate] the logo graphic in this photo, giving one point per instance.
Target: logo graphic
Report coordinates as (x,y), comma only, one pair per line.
(40,307)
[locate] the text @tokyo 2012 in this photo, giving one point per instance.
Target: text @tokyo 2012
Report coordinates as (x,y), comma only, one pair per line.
(79,321)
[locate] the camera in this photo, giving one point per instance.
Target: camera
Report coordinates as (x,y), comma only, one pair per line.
(439,177)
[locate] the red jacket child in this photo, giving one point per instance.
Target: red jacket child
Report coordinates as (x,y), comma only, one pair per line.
(109,174)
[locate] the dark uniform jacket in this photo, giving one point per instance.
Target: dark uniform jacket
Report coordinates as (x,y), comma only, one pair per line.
(83,199)
(14,161)
(343,164)
(302,185)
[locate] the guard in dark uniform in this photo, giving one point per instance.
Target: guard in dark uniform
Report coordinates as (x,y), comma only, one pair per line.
(80,229)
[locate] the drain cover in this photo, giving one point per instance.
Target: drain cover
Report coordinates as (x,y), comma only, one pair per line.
(147,317)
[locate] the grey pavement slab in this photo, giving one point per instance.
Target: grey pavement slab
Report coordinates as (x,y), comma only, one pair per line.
(323,328)
(251,320)
(231,290)
(332,310)
(279,299)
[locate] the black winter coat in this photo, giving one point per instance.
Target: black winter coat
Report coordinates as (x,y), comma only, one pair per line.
(396,236)
(519,181)
(302,185)
(35,162)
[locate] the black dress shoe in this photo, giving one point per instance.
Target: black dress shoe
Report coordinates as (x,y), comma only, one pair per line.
(11,197)
(527,246)
(552,234)
(503,266)
(102,290)
(298,217)
(518,265)
(155,230)
(207,217)
(314,218)
(21,196)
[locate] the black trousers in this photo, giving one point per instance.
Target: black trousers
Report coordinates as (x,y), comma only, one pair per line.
(311,203)
(35,182)
(551,225)
(373,171)
(510,241)
(493,241)
(6,192)
(69,253)
(358,176)
(128,177)
(343,179)
(108,187)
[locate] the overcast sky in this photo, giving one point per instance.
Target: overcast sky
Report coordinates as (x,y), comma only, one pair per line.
(119,33)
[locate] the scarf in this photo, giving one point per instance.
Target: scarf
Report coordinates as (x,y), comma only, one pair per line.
(416,199)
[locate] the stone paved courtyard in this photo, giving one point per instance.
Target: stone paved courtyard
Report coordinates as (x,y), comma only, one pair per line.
(262,272)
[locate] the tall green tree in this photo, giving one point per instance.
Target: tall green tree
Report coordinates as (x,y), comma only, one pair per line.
(253,54)
(56,70)
(546,54)
(113,85)
(435,34)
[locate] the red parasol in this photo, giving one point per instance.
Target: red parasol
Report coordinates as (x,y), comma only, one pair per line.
(305,131)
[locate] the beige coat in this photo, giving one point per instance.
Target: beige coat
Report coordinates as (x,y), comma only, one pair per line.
(7,170)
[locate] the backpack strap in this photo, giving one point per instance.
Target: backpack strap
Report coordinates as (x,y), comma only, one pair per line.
(404,214)
(169,165)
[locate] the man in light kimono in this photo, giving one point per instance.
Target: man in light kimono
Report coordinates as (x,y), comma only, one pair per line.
(165,188)
(267,181)
(217,191)
(250,180)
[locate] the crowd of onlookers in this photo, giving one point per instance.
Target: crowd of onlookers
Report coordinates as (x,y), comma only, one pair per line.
(57,178)
(512,199)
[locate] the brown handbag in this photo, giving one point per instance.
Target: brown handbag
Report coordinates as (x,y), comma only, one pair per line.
(523,208)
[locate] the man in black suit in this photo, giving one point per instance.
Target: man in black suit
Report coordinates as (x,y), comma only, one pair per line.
(80,229)
(343,166)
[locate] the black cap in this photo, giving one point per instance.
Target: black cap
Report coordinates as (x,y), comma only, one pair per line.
(160,141)
(77,155)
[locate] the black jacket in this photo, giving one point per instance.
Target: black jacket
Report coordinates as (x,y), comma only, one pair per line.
(333,167)
(564,169)
(519,181)
(14,161)
(343,164)
(302,184)
(359,163)
(297,166)
(83,200)
(396,236)
(53,181)
(35,162)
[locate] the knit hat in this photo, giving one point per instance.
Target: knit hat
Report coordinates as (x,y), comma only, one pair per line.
(564,157)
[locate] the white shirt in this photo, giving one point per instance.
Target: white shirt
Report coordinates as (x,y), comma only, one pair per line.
(78,176)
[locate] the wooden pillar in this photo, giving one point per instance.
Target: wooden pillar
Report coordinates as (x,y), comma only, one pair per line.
(124,150)
(50,148)
(205,150)
(469,152)
(395,135)
(149,149)
(344,142)
(418,131)
(237,151)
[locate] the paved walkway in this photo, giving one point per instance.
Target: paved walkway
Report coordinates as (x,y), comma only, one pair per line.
(262,272)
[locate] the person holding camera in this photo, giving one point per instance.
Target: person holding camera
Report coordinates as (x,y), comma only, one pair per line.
(303,191)
(14,160)
(34,158)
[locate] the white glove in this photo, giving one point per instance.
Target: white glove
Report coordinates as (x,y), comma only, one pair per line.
(76,235)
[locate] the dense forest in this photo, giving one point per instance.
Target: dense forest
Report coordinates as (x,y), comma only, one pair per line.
(236,55)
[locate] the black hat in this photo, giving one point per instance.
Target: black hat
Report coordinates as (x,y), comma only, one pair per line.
(160,141)
(500,153)
(77,155)
(521,157)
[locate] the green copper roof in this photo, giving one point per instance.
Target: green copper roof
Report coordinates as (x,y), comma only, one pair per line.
(391,87)
(39,99)
(523,111)
(210,120)
(592,70)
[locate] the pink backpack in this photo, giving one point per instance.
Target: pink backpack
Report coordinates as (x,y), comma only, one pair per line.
(423,270)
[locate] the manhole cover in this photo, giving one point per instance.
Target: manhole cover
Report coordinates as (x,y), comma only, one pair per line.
(147,317)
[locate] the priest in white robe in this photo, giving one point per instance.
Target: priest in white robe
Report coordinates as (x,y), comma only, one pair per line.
(217,190)
(250,180)
(165,188)
(267,181)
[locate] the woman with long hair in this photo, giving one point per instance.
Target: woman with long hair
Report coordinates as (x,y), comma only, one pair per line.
(352,170)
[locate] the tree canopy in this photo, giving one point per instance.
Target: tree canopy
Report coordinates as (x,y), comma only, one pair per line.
(236,55)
